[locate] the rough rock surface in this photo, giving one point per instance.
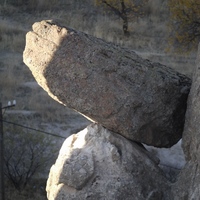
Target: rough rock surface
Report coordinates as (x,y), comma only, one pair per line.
(188,185)
(172,160)
(99,164)
(141,100)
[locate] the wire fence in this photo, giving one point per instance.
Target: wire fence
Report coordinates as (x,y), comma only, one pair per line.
(34,129)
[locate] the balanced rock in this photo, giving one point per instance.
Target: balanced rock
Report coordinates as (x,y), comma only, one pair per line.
(188,185)
(141,100)
(99,164)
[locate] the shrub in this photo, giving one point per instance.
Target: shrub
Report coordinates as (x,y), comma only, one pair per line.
(27,154)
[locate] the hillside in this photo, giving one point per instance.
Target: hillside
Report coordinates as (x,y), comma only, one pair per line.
(148,37)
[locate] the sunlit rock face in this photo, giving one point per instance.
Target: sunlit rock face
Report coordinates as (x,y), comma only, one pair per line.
(188,185)
(99,164)
(141,100)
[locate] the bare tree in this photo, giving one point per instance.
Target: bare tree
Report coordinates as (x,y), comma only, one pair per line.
(127,10)
(26,154)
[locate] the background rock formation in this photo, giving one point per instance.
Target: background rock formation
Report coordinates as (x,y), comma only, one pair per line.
(188,184)
(142,101)
(99,164)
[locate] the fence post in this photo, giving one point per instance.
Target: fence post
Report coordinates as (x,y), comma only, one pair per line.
(2,192)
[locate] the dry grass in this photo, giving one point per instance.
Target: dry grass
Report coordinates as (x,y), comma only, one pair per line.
(29,5)
(87,18)
(11,36)
(41,5)
(34,192)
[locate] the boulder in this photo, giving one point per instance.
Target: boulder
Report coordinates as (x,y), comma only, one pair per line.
(111,85)
(188,185)
(99,164)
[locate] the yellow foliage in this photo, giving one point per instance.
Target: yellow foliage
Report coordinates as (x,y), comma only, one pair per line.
(184,24)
